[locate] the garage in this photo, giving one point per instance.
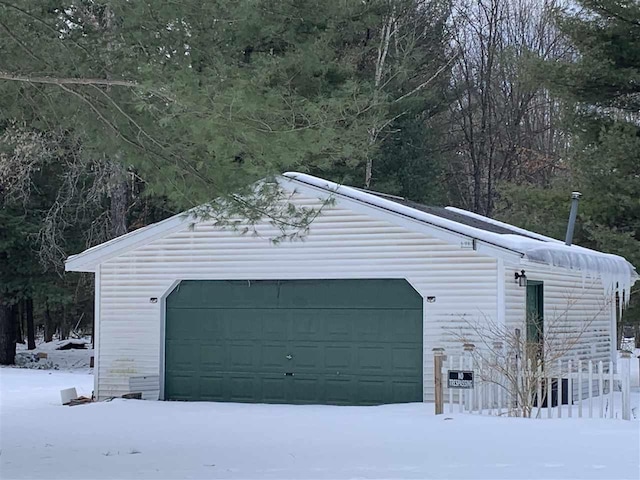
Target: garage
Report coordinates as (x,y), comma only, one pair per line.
(347,312)
(342,341)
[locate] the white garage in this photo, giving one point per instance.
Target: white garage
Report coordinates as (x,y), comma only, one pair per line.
(186,310)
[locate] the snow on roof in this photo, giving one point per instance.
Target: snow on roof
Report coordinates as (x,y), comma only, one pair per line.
(616,273)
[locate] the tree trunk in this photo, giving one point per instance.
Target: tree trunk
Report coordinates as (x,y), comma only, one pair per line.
(49,328)
(20,322)
(31,332)
(636,331)
(119,201)
(62,327)
(7,335)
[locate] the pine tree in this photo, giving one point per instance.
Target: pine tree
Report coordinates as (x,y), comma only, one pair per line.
(212,95)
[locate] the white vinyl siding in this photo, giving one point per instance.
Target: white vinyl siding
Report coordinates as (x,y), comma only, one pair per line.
(342,243)
(348,240)
(575,308)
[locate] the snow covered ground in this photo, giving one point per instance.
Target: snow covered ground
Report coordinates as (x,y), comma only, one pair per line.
(130,439)
(75,359)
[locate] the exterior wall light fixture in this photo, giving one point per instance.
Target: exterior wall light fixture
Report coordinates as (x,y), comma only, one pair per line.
(521,279)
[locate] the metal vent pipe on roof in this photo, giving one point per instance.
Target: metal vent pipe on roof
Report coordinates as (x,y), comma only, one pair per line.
(575,198)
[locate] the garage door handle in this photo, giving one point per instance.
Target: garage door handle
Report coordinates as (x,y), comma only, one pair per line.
(289,374)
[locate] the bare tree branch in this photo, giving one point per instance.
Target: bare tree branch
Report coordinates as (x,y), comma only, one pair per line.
(428,81)
(67,81)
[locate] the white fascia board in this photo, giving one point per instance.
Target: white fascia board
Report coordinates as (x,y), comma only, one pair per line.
(89,260)
(391,214)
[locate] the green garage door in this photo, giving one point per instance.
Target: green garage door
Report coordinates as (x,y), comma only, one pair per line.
(345,342)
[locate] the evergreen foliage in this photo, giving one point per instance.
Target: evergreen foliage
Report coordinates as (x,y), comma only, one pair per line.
(116,114)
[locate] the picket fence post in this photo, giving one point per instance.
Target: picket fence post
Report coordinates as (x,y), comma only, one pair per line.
(579,388)
(590,388)
(468,351)
(559,389)
(570,388)
(611,380)
(480,389)
(497,346)
(438,354)
(450,390)
(461,392)
(549,385)
(539,387)
(514,405)
(601,387)
(625,379)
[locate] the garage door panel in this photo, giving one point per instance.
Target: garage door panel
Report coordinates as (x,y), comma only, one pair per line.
(315,294)
(187,327)
(350,342)
(306,325)
(275,325)
(306,357)
(242,388)
(369,327)
(242,356)
(371,359)
(182,385)
(339,390)
(242,324)
(405,359)
(372,390)
(305,389)
(404,389)
(337,326)
(273,389)
(209,324)
(212,356)
(274,356)
(232,294)
(402,325)
(212,387)
(182,356)
(338,357)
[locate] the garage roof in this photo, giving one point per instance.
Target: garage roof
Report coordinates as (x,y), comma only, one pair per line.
(454,216)
(615,272)
(530,245)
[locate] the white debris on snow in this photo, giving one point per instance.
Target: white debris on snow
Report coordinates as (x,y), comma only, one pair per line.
(615,272)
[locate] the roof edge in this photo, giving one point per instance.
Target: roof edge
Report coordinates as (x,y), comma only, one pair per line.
(87,260)
(373,200)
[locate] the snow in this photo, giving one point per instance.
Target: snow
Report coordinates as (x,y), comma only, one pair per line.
(616,273)
(39,438)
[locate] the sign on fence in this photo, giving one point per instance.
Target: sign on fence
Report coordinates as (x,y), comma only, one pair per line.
(460,379)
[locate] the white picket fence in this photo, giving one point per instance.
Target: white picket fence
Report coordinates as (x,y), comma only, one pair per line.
(580,389)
